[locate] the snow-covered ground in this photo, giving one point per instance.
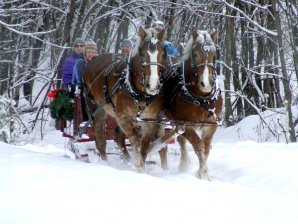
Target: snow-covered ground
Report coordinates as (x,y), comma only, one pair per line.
(251,183)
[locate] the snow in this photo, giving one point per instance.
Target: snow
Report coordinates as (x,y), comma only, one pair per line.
(251,183)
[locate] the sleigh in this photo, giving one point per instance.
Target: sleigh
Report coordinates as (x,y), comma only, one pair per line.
(80,131)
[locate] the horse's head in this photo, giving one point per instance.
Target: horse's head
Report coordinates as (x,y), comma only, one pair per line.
(147,59)
(201,51)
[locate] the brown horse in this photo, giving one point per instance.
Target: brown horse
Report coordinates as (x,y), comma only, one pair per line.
(193,100)
(130,96)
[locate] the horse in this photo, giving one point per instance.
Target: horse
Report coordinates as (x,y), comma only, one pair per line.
(193,101)
(131,95)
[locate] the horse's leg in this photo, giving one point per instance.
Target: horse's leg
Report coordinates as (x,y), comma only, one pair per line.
(184,158)
(163,153)
(120,140)
(207,136)
(145,142)
(150,133)
(100,138)
(199,148)
(127,125)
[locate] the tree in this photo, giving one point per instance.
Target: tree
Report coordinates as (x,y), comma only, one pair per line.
(258,56)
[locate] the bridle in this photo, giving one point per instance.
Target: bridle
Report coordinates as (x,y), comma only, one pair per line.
(195,68)
(141,96)
(152,47)
(187,93)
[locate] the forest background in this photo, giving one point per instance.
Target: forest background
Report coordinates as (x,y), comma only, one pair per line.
(257,45)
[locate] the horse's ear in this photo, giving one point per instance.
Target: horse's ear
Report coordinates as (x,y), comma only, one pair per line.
(214,35)
(162,35)
(194,32)
(142,33)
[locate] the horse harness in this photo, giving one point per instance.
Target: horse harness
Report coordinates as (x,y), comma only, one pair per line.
(141,99)
(124,83)
(187,95)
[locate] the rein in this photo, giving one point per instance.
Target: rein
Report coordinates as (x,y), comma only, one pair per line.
(180,122)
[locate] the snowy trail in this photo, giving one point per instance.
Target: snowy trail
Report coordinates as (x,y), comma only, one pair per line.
(251,183)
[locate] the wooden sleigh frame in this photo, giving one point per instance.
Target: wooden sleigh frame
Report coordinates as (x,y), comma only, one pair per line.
(73,129)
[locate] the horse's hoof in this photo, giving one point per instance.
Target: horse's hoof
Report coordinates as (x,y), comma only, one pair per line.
(165,167)
(104,157)
(124,158)
(203,176)
(184,165)
(140,169)
(182,168)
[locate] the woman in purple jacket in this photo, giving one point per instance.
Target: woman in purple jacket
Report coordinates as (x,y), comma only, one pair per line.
(67,67)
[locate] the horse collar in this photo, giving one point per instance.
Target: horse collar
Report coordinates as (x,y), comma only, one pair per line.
(133,92)
(200,100)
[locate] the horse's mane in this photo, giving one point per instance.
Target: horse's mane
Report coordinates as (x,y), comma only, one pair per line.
(203,36)
(149,35)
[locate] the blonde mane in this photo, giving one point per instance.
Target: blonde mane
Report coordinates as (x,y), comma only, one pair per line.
(150,33)
(203,36)
(187,49)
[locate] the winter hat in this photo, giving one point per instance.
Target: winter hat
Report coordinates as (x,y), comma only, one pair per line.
(78,41)
(126,42)
(90,45)
(158,25)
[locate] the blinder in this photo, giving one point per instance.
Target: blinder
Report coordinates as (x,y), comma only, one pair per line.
(152,47)
(196,66)
(206,47)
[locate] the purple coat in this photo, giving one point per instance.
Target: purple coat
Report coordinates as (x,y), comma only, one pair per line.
(67,68)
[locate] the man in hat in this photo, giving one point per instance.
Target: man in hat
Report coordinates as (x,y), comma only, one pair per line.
(68,64)
(126,46)
(171,50)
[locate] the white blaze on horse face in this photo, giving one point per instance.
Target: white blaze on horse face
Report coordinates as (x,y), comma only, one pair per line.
(154,80)
(205,81)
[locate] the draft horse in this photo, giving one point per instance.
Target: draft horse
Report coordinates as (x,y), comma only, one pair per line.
(129,96)
(193,99)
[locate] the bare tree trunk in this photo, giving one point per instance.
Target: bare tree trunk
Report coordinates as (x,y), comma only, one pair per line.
(286,78)
(291,7)
(66,34)
(237,104)
(229,28)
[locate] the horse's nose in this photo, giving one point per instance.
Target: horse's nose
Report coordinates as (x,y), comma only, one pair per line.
(202,84)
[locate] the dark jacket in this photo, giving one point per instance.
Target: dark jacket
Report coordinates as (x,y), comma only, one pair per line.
(78,71)
(67,68)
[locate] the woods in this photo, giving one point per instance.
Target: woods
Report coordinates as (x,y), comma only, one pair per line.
(258,46)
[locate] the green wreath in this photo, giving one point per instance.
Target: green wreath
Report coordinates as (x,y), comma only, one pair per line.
(62,106)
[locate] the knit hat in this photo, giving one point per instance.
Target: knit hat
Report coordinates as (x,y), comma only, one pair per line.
(158,25)
(126,42)
(78,41)
(90,45)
